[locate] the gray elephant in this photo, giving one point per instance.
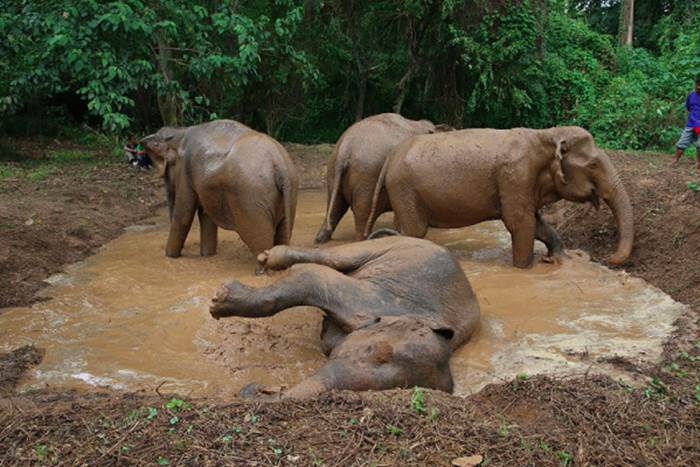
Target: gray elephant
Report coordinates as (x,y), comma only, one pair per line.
(395,310)
(355,163)
(233,177)
(465,177)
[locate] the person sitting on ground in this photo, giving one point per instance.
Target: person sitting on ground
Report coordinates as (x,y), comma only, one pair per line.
(143,160)
(691,132)
(131,150)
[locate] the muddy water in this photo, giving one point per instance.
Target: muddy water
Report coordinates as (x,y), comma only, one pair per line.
(130,318)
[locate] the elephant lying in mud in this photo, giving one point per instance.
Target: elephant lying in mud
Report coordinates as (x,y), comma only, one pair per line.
(355,163)
(465,177)
(233,177)
(395,310)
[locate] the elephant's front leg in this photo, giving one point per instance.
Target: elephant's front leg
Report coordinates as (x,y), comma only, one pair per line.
(521,224)
(547,235)
(181,220)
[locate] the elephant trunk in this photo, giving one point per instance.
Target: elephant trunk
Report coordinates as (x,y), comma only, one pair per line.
(615,196)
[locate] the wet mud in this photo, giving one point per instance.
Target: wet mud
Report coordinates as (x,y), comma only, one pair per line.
(130,318)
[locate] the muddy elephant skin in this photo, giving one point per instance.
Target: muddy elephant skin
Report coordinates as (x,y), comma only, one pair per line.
(355,163)
(461,178)
(395,310)
(233,177)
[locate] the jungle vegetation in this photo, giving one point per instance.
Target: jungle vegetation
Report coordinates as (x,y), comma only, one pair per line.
(304,70)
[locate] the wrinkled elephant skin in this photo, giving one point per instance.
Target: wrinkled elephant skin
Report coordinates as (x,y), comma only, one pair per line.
(233,177)
(395,310)
(355,163)
(461,178)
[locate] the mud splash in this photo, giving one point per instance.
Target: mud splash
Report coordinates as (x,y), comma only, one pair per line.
(129,318)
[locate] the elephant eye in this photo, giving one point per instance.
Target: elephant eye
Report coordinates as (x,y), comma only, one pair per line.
(593,165)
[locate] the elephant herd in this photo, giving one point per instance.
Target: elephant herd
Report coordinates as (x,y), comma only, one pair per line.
(396,306)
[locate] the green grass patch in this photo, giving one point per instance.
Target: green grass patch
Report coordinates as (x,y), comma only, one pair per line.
(40,173)
(72,156)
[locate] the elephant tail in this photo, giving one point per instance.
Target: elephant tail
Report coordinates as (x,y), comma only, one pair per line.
(379,233)
(287,182)
(341,165)
(375,198)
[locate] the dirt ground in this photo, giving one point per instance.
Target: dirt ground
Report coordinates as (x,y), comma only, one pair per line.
(582,420)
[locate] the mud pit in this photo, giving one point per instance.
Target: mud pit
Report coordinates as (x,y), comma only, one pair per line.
(130,318)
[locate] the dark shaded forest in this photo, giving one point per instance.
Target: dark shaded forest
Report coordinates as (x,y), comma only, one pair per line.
(303,71)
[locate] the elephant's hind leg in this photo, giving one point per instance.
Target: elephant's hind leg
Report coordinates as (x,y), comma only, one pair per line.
(334,213)
(411,217)
(208,233)
(347,301)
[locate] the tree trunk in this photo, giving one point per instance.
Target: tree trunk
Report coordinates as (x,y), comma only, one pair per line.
(361,93)
(627,26)
(167,101)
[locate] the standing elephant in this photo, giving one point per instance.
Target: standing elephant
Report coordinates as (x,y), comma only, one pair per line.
(233,177)
(395,310)
(354,167)
(466,177)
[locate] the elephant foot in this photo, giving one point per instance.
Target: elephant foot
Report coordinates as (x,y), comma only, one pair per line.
(228,299)
(555,258)
(260,392)
(275,259)
(323,236)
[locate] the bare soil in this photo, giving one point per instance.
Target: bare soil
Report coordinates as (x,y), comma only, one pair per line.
(583,420)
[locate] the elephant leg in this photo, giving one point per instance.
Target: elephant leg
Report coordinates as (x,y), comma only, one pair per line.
(521,226)
(345,300)
(334,213)
(547,235)
(410,215)
(257,232)
(331,335)
(281,236)
(344,258)
(208,233)
(362,207)
(181,221)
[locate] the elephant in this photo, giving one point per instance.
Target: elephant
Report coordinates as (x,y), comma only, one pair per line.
(234,178)
(355,163)
(395,310)
(465,177)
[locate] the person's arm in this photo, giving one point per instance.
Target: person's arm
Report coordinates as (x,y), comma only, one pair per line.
(687,102)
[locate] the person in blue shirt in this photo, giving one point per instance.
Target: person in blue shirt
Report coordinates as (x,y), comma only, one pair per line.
(691,132)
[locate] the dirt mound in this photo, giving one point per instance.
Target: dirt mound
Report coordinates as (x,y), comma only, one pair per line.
(13,365)
(49,220)
(593,421)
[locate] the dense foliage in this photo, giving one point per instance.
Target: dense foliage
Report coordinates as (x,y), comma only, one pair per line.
(303,70)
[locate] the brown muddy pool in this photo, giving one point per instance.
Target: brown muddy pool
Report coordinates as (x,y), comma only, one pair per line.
(130,318)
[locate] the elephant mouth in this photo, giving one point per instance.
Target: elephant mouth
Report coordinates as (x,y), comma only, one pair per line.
(594,199)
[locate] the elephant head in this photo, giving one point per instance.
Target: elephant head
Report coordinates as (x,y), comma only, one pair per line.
(583,172)
(163,148)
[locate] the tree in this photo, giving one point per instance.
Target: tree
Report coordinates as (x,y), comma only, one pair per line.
(627,29)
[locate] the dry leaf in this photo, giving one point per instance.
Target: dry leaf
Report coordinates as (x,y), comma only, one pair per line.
(470,461)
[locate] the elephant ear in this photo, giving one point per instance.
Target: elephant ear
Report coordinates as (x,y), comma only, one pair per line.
(169,161)
(561,149)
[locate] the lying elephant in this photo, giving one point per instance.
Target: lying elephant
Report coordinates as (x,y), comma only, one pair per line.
(355,163)
(233,177)
(395,310)
(465,177)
